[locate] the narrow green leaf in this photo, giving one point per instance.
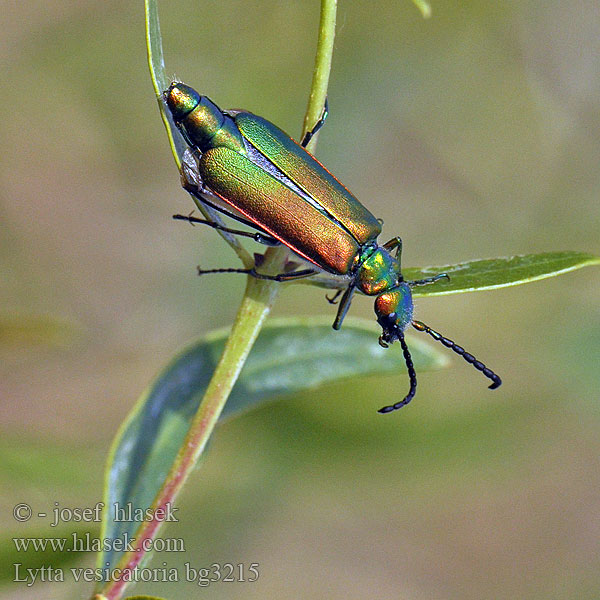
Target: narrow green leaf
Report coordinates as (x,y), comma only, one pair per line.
(489,274)
(160,82)
(289,355)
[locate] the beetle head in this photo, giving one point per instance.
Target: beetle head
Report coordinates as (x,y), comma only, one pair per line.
(394,310)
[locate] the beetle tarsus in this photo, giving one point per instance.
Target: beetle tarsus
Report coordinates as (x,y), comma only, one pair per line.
(394,244)
(201,271)
(429,280)
(310,134)
(334,298)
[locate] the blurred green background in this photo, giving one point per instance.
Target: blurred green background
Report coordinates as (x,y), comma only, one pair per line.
(473,134)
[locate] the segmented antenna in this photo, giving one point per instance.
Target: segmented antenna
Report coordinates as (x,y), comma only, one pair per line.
(412,376)
(496,381)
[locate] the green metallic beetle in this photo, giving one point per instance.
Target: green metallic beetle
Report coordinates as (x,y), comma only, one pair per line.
(249,169)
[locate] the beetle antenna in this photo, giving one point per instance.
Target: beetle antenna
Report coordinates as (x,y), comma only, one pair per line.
(412,376)
(496,381)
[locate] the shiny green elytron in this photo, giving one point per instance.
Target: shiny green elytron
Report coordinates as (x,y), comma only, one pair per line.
(249,169)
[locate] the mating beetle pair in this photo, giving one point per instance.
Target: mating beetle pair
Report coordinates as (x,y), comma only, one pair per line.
(249,169)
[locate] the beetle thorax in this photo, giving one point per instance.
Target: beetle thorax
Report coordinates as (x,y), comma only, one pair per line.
(202,124)
(378,272)
(207,127)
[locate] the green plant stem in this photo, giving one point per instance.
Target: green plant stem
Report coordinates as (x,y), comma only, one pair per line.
(323,58)
(255,306)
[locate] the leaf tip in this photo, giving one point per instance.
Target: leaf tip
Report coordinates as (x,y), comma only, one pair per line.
(424,7)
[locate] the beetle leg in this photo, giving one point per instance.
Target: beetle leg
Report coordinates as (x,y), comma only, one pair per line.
(207,271)
(394,244)
(429,280)
(333,299)
(344,306)
(252,272)
(284,276)
(261,238)
(309,134)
